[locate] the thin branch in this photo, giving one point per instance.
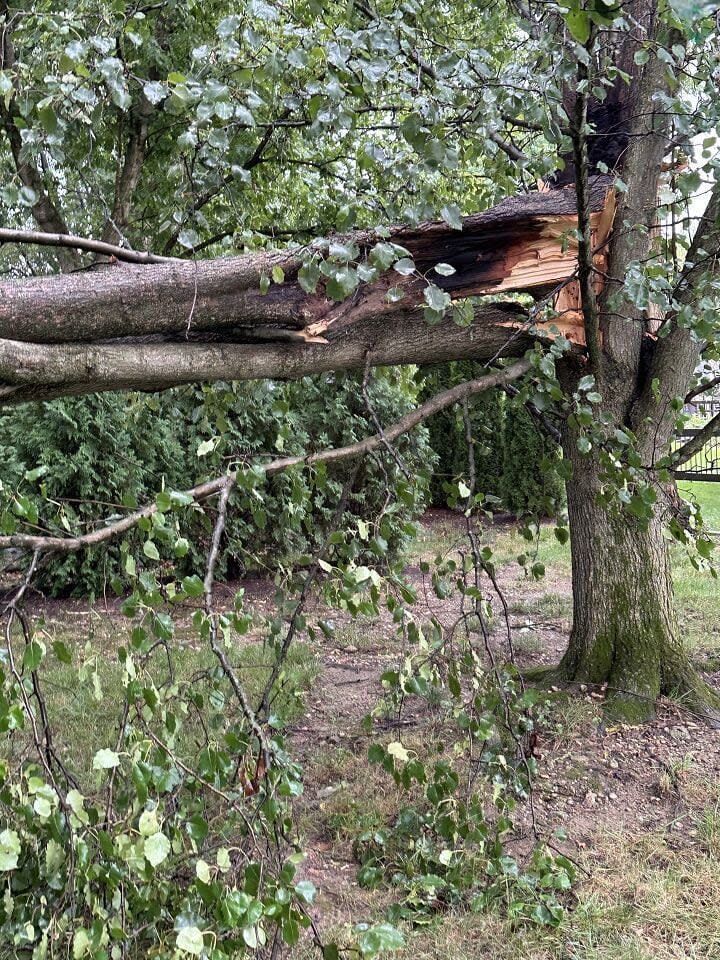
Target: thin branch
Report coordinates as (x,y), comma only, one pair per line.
(213,487)
(582,190)
(80,243)
(695,444)
(702,388)
(508,148)
(265,747)
(376,421)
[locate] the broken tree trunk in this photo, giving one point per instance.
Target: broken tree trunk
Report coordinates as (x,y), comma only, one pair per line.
(154,326)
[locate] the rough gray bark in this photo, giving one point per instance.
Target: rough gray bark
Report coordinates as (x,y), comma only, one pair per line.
(149,327)
(624,633)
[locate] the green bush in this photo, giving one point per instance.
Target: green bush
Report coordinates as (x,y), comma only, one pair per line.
(530,480)
(94,457)
(514,460)
(98,456)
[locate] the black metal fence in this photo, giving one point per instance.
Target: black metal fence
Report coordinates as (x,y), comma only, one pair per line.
(705,465)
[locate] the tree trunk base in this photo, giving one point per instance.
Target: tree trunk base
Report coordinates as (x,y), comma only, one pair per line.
(684,687)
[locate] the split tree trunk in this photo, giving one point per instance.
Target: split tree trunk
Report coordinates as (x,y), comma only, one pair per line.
(624,635)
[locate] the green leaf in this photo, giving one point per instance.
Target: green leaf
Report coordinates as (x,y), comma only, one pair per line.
(308,276)
(444,269)
(578,22)
(35,474)
(105,760)
(61,651)
(156,848)
(193,586)
(379,938)
(150,550)
(451,215)
(181,547)
(405,267)
(190,940)
(436,298)
(278,275)
(397,750)
(395,294)
(148,823)
(9,850)
(306,891)
(76,802)
(82,944)
(32,657)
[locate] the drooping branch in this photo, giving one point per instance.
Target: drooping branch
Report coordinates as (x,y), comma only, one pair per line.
(212,487)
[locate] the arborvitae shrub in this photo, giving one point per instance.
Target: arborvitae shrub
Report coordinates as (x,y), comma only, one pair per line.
(514,461)
(530,480)
(447,433)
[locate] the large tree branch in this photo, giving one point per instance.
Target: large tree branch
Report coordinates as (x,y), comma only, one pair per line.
(43,371)
(216,486)
(154,326)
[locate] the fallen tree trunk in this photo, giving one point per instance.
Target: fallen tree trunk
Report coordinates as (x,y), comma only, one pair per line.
(152,326)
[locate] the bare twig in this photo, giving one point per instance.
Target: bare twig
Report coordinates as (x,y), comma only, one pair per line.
(248,713)
(80,243)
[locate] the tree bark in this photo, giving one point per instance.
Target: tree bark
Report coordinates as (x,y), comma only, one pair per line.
(154,326)
(624,635)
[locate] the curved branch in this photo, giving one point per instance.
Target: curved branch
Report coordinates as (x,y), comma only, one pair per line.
(219,484)
(702,388)
(696,443)
(80,243)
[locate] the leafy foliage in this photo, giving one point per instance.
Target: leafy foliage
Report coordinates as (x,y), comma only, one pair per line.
(64,449)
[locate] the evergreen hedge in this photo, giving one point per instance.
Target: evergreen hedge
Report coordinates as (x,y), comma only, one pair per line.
(514,460)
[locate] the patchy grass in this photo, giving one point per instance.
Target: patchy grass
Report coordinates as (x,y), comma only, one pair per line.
(646,891)
(645,900)
(84,698)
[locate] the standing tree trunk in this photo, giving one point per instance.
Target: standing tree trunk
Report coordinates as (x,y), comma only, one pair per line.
(624,633)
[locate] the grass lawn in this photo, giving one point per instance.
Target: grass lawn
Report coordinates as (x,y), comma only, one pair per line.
(708,496)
